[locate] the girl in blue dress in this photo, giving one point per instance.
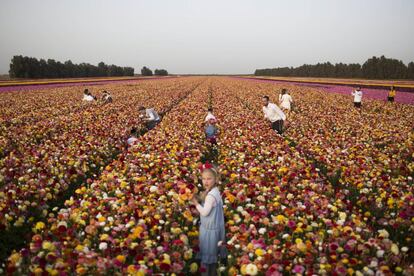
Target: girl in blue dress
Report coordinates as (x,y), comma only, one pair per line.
(212,233)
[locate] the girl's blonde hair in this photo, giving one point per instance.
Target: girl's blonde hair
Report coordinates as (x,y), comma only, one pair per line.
(211,169)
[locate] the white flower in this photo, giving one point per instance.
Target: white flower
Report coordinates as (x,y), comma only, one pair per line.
(368,271)
(380,253)
(153,189)
(373,264)
(383,233)
(251,269)
(103,246)
(404,249)
(262,230)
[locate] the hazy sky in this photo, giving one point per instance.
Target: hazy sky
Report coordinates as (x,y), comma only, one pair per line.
(208,36)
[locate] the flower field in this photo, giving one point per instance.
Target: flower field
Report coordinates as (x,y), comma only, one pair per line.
(332,196)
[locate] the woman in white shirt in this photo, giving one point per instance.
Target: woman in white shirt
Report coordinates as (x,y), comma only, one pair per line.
(87,96)
(357,93)
(285,100)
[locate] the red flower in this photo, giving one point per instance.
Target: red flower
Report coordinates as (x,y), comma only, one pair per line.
(165,267)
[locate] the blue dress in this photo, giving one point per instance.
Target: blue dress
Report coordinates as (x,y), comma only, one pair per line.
(212,230)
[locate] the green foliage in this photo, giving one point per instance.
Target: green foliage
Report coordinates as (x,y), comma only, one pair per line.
(146,71)
(373,68)
(161,72)
(29,67)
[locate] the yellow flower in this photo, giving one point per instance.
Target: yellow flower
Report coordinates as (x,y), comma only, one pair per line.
(80,270)
(176,231)
(193,267)
(283,170)
(39,226)
(394,249)
(188,254)
(46,245)
(15,258)
(233,271)
(280,218)
(38,271)
(136,232)
(167,259)
(259,252)
(121,258)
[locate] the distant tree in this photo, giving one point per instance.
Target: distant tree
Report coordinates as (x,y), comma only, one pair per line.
(161,72)
(146,71)
(128,71)
(410,71)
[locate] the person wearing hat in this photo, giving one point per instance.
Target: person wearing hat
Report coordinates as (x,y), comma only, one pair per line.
(150,117)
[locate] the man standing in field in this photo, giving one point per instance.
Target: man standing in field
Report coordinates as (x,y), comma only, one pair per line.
(357,93)
(274,114)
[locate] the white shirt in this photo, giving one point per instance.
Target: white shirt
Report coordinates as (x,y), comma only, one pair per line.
(357,96)
(273,113)
(152,115)
(88,98)
(285,101)
(132,140)
(209,116)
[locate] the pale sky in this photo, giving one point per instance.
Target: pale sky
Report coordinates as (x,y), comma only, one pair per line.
(211,36)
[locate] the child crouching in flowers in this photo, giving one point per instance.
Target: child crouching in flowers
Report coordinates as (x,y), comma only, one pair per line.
(212,233)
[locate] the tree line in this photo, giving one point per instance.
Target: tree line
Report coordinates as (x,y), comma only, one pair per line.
(158,72)
(30,67)
(373,68)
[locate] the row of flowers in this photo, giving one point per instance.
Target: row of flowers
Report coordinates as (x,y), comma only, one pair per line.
(75,146)
(327,130)
(134,218)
